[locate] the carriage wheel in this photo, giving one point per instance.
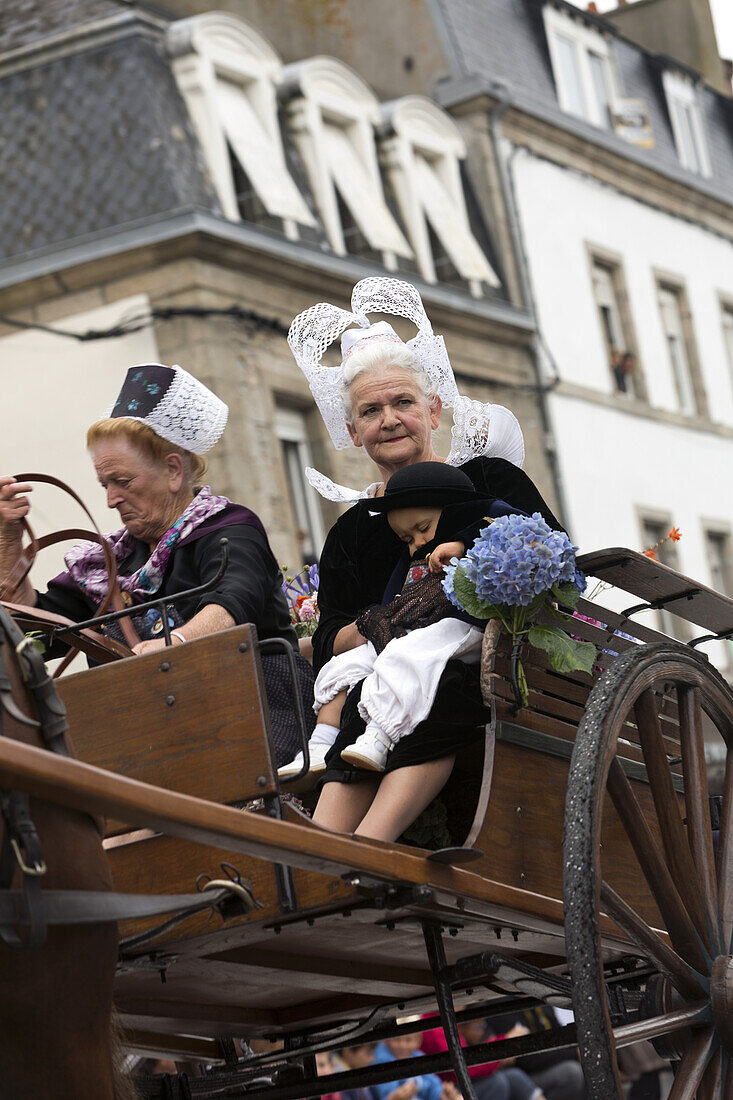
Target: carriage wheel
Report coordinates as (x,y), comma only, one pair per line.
(672,866)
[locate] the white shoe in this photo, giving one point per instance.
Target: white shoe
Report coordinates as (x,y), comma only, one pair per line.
(369,751)
(317,762)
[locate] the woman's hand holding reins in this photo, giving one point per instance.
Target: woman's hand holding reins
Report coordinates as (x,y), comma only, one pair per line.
(14,507)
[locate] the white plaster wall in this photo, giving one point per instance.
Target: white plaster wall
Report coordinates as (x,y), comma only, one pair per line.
(561,212)
(53,388)
(616,465)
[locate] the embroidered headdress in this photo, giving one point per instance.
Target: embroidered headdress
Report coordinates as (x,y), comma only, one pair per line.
(478,428)
(174,404)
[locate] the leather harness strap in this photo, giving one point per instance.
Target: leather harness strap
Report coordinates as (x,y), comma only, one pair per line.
(23,566)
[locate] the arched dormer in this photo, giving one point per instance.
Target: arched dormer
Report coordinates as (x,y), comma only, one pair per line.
(421,153)
(227,73)
(332,114)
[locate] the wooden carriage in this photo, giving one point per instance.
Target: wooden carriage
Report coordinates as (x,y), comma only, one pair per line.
(589,865)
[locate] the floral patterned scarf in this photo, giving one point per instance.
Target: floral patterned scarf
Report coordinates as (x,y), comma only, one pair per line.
(85,561)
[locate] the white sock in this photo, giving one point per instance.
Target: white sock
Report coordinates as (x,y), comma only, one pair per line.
(324,734)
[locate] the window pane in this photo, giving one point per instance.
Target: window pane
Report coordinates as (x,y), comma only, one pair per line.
(721,565)
(567,57)
(674,334)
(728,335)
(601,86)
(687,151)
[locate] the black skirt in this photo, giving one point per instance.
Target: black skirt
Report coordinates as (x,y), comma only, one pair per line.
(286,734)
(458,718)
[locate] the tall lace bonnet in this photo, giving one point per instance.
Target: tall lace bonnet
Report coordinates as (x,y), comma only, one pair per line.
(478,428)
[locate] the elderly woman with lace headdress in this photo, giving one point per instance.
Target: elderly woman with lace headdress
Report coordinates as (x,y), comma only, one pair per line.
(147,454)
(387,396)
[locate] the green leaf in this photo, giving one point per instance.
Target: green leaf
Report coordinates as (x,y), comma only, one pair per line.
(566,654)
(465,590)
(567,593)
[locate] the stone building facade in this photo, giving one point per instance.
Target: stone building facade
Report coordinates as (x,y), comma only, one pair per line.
(165,181)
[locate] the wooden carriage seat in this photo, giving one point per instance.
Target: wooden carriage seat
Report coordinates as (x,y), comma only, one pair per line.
(192,718)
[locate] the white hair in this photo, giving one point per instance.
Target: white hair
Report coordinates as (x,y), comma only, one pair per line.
(378,355)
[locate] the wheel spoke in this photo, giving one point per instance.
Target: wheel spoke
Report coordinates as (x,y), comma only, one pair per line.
(681,975)
(710,1085)
(727,1076)
(725,867)
(692,1066)
(674,840)
(684,938)
(699,830)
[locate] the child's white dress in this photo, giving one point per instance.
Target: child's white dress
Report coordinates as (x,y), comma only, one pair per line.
(401,682)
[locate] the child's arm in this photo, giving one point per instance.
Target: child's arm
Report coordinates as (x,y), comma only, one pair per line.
(442,555)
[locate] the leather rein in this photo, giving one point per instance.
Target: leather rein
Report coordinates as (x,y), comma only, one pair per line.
(95,645)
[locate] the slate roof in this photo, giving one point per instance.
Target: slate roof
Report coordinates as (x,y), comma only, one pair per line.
(92,141)
(504,40)
(26,22)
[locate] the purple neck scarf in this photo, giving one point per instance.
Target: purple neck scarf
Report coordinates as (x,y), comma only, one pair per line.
(85,561)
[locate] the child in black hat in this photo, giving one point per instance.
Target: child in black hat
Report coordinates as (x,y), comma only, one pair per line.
(435,510)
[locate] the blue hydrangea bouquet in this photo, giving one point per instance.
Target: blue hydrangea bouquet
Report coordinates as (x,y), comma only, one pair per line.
(517,568)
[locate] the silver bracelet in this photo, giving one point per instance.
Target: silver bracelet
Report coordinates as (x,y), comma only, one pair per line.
(177,634)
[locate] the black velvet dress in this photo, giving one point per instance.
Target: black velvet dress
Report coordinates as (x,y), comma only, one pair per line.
(358,559)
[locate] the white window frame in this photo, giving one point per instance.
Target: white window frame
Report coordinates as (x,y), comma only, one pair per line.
(422,160)
(328,94)
(227,74)
(290,427)
(586,40)
(684,107)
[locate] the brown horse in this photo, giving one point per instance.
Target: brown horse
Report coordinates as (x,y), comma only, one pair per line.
(55,999)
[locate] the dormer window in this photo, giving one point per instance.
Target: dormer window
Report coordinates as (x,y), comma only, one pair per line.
(332,115)
(227,73)
(687,125)
(581,63)
(421,157)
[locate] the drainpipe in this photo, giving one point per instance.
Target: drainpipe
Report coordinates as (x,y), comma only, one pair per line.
(540,350)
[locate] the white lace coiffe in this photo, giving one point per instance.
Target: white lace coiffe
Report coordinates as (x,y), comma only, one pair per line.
(478,428)
(187,413)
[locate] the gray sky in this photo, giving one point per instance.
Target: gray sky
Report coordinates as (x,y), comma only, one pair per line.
(722,14)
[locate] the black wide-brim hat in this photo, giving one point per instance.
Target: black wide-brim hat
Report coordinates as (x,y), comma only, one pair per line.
(427,484)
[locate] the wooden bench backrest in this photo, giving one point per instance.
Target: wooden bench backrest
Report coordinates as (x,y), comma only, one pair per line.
(192,718)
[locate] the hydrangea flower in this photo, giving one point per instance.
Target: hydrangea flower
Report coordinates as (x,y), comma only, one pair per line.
(515,559)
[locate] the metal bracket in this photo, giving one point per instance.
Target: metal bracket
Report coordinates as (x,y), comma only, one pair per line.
(721,637)
(509,970)
(660,603)
(388,895)
(283,873)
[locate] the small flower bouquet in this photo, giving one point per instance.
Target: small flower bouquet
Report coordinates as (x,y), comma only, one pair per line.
(301,592)
(517,568)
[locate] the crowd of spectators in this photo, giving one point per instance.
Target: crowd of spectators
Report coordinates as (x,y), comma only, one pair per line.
(558,1074)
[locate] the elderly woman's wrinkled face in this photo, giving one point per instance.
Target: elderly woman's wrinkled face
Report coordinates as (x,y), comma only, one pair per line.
(147,494)
(392,419)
